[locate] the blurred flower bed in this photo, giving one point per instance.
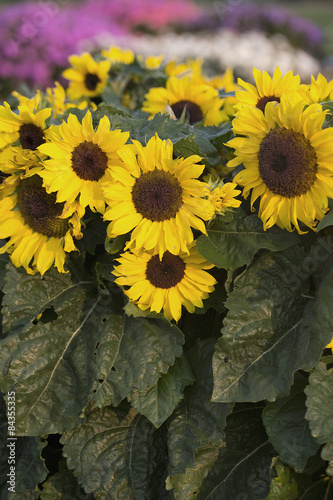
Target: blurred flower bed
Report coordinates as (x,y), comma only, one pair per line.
(40,36)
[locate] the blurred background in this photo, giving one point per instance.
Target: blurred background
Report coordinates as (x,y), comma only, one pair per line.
(39,36)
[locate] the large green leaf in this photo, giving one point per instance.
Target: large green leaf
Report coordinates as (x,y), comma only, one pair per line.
(23,454)
(287,428)
(116,455)
(231,244)
(197,144)
(272,327)
(319,409)
(196,422)
(283,485)
(62,485)
(242,469)
(188,484)
(49,362)
(135,357)
(157,402)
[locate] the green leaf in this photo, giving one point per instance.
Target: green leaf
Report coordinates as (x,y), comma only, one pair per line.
(319,413)
(62,485)
(326,221)
(283,485)
(4,259)
(135,357)
(197,144)
(188,484)
(50,365)
(142,129)
(272,327)
(288,431)
(115,455)
(242,469)
(196,422)
(29,468)
(319,407)
(231,244)
(157,402)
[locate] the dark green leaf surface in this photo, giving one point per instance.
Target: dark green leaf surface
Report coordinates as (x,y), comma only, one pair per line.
(231,244)
(288,431)
(157,402)
(268,331)
(114,455)
(283,485)
(62,485)
(139,353)
(196,422)
(188,484)
(29,466)
(49,364)
(242,469)
(319,403)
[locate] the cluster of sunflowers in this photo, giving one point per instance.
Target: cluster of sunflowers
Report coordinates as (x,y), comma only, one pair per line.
(57,169)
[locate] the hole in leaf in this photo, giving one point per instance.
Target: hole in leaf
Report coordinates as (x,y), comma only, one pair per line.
(104,320)
(100,380)
(46,316)
(96,346)
(113,369)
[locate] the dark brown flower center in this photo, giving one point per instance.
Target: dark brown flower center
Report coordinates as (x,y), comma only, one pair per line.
(167,272)
(39,209)
(193,112)
(89,161)
(31,136)
(261,104)
(157,195)
(91,81)
(287,162)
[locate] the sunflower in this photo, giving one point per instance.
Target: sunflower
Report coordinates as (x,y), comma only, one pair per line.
(267,89)
(79,160)
(87,76)
(319,91)
(118,55)
(165,282)
(27,126)
(288,160)
(201,102)
(57,99)
(38,233)
(223,196)
(159,198)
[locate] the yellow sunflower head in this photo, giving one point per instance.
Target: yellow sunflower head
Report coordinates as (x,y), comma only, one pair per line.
(57,99)
(80,157)
(267,89)
(118,55)
(165,283)
(199,101)
(288,160)
(151,62)
(319,91)
(222,196)
(157,197)
(27,127)
(87,77)
(37,231)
